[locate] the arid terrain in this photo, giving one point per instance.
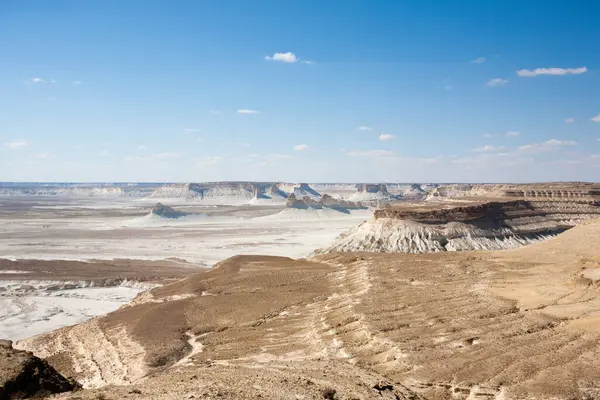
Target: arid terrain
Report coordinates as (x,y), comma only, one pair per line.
(522,322)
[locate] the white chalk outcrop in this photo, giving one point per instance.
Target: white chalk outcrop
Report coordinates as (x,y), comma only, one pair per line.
(488,226)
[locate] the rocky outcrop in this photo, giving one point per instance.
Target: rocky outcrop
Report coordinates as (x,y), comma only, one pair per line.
(479,226)
(549,191)
(22,375)
(373,194)
(325,202)
(166,211)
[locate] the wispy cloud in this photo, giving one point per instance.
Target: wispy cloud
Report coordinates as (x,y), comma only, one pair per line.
(571,120)
(479,60)
(35,80)
(386,136)
(300,147)
(488,149)
(549,145)
(78,83)
(596,118)
(307,62)
(370,153)
(527,73)
(189,131)
(288,57)
(247,112)
(512,134)
(497,82)
(364,128)
(215,112)
(16,144)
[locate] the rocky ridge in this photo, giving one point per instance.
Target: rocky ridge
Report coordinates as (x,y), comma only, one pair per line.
(520,216)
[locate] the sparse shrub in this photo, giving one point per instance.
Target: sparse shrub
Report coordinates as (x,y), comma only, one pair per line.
(101,396)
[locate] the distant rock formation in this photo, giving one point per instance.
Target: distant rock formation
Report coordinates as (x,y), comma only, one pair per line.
(23,375)
(373,194)
(166,211)
(539,191)
(476,226)
(326,201)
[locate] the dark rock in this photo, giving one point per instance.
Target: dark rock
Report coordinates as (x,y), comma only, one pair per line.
(22,375)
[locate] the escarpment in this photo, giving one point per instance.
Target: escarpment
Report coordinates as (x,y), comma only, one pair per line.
(492,225)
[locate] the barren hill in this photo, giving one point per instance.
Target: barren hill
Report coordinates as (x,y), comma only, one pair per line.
(522,323)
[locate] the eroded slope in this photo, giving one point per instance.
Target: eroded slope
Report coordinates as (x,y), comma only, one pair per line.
(516,217)
(522,323)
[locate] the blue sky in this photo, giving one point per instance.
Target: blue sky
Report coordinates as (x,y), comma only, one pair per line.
(405,91)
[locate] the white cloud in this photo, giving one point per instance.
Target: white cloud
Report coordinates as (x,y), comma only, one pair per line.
(17,144)
(142,147)
(487,135)
(570,120)
(245,144)
(596,118)
(215,112)
(189,131)
(526,73)
(78,83)
(488,148)
(35,80)
(288,57)
(549,145)
(365,128)
(308,62)
(512,134)
(479,60)
(248,112)
(497,82)
(300,147)
(386,136)
(554,142)
(370,153)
